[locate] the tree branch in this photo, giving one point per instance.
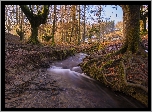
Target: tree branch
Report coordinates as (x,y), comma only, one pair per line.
(26,11)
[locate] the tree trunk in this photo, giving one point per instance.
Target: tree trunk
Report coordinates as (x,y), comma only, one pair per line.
(79,27)
(100,9)
(73,27)
(131,17)
(17,14)
(143,16)
(84,24)
(61,7)
(34,38)
(54,20)
(144,22)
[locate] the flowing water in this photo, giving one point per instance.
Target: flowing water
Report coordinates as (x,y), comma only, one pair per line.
(83,91)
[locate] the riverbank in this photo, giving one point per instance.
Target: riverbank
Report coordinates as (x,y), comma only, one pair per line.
(23,64)
(28,84)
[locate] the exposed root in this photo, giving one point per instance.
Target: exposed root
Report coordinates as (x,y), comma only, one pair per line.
(131,84)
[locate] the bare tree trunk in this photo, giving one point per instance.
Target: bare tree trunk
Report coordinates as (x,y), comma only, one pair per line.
(54,20)
(144,22)
(73,14)
(61,8)
(79,27)
(17,14)
(67,20)
(99,24)
(84,24)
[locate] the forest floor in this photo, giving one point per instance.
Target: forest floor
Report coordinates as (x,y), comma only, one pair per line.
(25,65)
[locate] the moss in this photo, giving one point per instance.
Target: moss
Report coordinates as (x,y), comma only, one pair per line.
(111,63)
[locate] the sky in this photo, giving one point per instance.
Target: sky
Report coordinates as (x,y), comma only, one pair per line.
(108,12)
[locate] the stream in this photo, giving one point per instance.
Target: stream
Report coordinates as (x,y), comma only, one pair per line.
(81,91)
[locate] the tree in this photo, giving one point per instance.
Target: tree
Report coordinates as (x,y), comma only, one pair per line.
(62,22)
(79,26)
(66,26)
(74,25)
(84,24)
(17,10)
(99,20)
(131,26)
(54,20)
(21,31)
(144,15)
(35,20)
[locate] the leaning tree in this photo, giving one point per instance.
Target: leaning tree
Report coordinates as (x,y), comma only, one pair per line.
(35,20)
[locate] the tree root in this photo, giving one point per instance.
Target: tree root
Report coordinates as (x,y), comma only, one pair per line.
(96,69)
(131,84)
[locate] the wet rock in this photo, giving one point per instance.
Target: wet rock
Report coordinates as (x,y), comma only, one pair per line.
(77,69)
